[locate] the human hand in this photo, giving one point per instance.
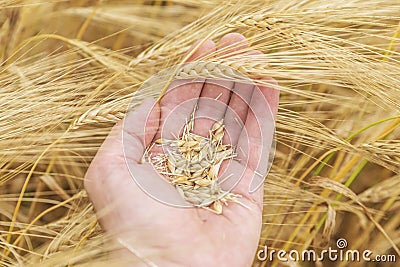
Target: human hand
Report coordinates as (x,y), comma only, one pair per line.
(172,236)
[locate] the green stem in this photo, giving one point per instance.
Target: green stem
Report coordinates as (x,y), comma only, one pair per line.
(348,139)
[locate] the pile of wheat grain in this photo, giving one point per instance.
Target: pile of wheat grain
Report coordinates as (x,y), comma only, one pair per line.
(192,163)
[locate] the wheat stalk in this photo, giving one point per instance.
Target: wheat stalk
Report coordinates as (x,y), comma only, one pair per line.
(337,65)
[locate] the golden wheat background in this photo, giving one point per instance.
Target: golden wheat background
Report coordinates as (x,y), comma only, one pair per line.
(69,70)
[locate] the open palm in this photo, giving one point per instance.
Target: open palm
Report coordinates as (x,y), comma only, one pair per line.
(163,235)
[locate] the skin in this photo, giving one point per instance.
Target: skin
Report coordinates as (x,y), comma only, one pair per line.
(170,236)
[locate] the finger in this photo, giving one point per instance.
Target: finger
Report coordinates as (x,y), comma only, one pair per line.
(212,104)
(183,94)
(218,90)
(204,48)
(236,113)
(177,105)
(255,141)
(259,123)
(271,93)
(231,44)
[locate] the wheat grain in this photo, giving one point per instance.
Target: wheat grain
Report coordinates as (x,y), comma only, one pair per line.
(192,163)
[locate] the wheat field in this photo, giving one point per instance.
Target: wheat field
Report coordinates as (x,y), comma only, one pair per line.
(69,70)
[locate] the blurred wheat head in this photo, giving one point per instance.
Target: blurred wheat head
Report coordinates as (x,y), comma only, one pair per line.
(69,69)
